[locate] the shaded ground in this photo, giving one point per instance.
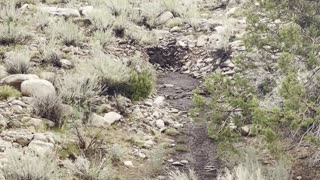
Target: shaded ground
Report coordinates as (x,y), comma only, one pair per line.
(177,88)
(200,151)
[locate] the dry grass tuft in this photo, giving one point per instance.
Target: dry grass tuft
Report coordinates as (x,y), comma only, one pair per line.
(49,107)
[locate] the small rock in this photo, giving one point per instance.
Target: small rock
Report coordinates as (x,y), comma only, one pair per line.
(142,155)
(159,101)
(245,130)
(112,117)
(65,63)
(86,10)
(177,163)
(164,17)
(175,29)
(128,164)
(148,144)
(82,164)
(184,162)
(160,124)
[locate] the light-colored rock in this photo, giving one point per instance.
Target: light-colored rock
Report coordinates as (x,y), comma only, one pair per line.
(112,117)
(41,147)
(36,123)
(159,101)
(68,12)
(184,161)
(164,17)
(160,124)
(40,137)
(82,164)
(202,40)
(65,63)
(16,79)
(85,10)
(98,121)
(175,29)
(148,144)
(37,87)
(22,140)
(245,130)
(128,164)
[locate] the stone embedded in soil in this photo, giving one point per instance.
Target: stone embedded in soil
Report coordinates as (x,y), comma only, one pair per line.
(160,124)
(112,117)
(128,164)
(177,163)
(164,17)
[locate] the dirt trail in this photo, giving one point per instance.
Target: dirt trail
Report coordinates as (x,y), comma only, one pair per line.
(201,150)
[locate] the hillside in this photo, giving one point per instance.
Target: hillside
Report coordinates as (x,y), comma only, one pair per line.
(159,89)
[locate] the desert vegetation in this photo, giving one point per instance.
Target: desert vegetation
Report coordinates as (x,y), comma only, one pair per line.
(135,89)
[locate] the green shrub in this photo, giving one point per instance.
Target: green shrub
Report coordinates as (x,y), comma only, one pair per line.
(8,91)
(141,84)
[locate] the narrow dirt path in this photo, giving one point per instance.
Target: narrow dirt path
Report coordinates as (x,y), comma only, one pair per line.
(201,151)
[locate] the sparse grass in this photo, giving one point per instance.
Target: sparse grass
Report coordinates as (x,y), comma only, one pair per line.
(8,91)
(18,62)
(49,53)
(178,175)
(103,37)
(28,165)
(96,170)
(116,153)
(76,88)
(11,32)
(68,149)
(154,166)
(68,32)
(250,168)
(101,18)
(49,107)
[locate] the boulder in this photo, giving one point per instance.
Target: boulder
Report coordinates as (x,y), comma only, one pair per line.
(37,87)
(16,79)
(164,17)
(68,12)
